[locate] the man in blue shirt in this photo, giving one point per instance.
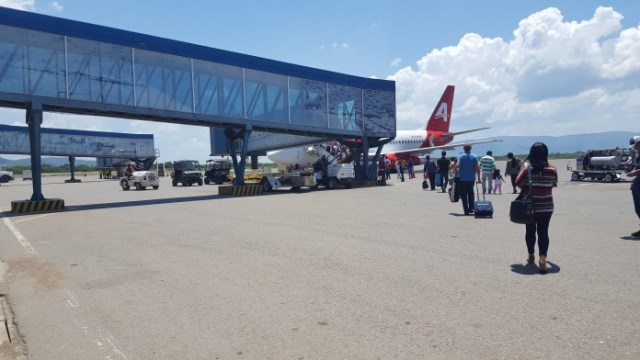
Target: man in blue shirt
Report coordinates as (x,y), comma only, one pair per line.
(635,185)
(469,173)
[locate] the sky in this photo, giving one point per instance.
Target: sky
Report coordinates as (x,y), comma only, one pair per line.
(526,67)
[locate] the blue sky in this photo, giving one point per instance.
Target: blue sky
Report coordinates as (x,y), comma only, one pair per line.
(522,67)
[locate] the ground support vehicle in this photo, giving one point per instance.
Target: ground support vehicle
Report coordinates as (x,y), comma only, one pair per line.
(27,175)
(140,180)
(336,175)
(186,172)
(107,173)
(6,176)
(216,171)
(606,165)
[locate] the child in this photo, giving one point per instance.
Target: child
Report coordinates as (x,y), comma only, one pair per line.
(497,181)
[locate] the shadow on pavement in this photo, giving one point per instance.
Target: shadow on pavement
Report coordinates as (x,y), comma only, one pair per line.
(631,238)
(531,269)
(457,214)
(120,205)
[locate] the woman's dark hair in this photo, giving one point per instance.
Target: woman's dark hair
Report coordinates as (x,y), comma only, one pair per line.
(538,157)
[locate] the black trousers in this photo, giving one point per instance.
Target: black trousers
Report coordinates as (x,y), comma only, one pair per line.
(513,180)
(445,180)
(540,226)
(467,196)
(635,191)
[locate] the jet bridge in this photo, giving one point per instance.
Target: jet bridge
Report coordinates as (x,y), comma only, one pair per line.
(80,143)
(50,64)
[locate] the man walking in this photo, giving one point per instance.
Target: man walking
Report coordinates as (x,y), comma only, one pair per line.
(487,165)
(430,170)
(443,170)
(469,173)
(513,168)
(635,185)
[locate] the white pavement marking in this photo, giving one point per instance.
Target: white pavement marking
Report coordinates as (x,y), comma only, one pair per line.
(71,300)
(31,218)
(18,235)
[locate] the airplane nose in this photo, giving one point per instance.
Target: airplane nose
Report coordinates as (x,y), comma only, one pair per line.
(275,156)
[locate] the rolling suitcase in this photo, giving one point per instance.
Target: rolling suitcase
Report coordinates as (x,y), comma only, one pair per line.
(482,208)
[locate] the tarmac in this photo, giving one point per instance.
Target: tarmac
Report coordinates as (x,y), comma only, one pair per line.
(366,273)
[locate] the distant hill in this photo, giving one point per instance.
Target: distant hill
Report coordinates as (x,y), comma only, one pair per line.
(557,144)
(49,160)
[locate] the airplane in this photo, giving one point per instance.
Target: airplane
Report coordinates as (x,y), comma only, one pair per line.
(408,144)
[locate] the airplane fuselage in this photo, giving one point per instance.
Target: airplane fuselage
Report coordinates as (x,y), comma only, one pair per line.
(405,140)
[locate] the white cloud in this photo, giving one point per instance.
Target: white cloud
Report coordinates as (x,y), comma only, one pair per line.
(395,62)
(19,4)
(334,45)
(553,78)
(56,6)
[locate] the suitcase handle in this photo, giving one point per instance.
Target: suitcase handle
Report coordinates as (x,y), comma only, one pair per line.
(478,193)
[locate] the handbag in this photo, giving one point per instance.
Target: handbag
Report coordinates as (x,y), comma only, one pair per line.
(522,210)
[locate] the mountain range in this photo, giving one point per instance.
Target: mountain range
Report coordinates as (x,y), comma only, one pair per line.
(566,144)
(518,145)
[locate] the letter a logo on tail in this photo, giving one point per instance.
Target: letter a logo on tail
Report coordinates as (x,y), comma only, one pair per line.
(441,116)
(442,113)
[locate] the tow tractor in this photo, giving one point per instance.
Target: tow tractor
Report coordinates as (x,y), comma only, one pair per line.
(140,180)
(606,165)
(6,176)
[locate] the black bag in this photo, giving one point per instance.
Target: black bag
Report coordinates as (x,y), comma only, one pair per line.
(522,210)
(425,184)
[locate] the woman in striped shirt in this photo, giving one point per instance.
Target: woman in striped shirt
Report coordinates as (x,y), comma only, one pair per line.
(543,178)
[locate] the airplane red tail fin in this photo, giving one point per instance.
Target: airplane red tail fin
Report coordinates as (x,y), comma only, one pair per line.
(441,117)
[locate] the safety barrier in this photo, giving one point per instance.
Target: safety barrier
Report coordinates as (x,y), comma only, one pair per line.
(245,190)
(24,206)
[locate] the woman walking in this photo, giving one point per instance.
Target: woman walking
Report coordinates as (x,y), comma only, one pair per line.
(543,178)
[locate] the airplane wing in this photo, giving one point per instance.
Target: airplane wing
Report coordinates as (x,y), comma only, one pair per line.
(465,131)
(427,150)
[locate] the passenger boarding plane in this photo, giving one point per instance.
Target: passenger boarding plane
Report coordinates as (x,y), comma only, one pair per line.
(412,144)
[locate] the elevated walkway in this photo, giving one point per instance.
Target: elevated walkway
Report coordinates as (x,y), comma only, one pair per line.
(54,64)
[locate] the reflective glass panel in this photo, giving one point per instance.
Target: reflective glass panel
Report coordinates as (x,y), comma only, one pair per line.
(379,111)
(218,89)
(31,62)
(266,96)
(345,107)
(99,72)
(308,102)
(163,81)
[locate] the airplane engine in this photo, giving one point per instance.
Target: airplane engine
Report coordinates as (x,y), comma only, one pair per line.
(416,160)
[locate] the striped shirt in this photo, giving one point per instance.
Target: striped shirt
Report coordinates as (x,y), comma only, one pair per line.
(487,164)
(542,184)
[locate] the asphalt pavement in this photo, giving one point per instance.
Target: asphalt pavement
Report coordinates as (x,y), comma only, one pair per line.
(364,273)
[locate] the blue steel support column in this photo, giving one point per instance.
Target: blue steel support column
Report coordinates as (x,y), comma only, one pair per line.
(245,144)
(365,157)
(372,173)
(34,120)
(72,167)
(233,135)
